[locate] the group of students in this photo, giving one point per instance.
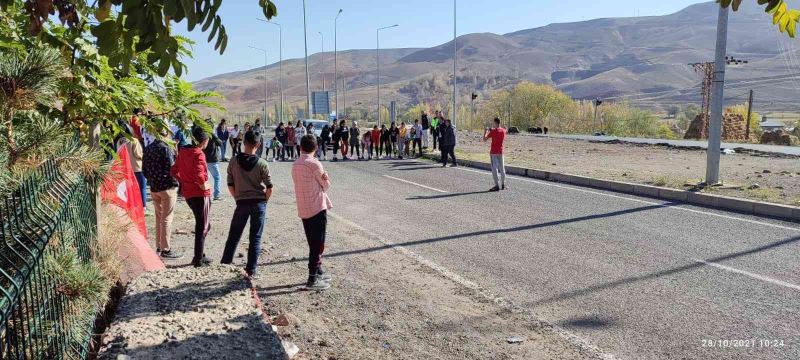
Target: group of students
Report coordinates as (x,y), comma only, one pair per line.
(181,165)
(392,142)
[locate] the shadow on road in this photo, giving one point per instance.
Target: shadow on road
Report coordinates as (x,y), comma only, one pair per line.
(588,322)
(658,274)
(486,232)
(445,196)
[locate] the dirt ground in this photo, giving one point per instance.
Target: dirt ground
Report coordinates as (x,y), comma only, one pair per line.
(387,304)
(758,177)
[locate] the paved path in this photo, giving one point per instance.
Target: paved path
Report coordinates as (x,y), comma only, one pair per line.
(639,278)
(787,150)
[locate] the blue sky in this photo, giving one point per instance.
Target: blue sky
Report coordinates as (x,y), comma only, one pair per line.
(423,23)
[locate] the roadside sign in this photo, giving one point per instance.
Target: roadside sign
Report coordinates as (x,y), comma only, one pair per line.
(321,102)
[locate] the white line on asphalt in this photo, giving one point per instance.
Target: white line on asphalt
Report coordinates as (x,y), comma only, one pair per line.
(749,274)
(462,281)
(638,200)
(413,183)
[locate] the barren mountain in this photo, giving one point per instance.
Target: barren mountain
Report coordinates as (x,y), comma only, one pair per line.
(643,60)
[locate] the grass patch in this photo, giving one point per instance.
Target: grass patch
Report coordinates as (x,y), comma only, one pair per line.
(763,194)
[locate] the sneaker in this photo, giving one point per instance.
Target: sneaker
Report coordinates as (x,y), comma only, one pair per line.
(323,275)
(217,198)
(204,262)
(454,165)
(315,283)
(494,189)
(171,255)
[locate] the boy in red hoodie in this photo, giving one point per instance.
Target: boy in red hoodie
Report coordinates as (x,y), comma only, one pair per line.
(190,170)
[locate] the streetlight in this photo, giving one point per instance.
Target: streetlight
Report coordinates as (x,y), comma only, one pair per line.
(322,60)
(305,41)
(280,61)
(266,89)
(455,77)
(336,63)
(378,61)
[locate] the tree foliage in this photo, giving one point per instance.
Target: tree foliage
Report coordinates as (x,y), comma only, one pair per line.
(785,18)
(136,26)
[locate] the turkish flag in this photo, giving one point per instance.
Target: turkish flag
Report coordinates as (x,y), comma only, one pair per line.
(122,189)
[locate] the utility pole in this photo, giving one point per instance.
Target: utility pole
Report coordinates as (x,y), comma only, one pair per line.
(715,124)
(336,63)
(308,78)
(749,114)
(280,63)
(322,59)
(455,76)
(597,103)
(378,61)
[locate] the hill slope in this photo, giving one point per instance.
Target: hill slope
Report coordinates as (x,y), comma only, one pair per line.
(640,59)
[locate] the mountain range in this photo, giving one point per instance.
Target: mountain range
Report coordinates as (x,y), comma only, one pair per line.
(642,60)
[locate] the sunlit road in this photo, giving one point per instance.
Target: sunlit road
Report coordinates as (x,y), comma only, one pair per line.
(638,278)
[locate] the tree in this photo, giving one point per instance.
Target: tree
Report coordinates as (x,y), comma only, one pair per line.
(785,18)
(138,26)
(26,82)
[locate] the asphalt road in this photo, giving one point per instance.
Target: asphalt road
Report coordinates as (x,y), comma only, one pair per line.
(638,278)
(777,149)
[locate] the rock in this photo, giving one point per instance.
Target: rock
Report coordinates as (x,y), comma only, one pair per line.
(753,187)
(286,319)
(515,340)
(767,172)
(290,349)
(181,232)
(123,357)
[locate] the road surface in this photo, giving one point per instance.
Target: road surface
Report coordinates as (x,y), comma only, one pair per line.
(777,149)
(636,277)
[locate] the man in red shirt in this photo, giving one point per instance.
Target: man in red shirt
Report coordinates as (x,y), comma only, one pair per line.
(498,136)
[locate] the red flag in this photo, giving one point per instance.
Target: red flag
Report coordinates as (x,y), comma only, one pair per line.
(122,189)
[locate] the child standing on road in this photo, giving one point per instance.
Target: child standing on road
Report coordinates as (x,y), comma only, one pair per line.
(311,184)
(366,144)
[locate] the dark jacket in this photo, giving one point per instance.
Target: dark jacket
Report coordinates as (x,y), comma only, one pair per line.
(449,136)
(344,133)
(222,133)
(280,133)
(190,170)
(156,164)
(212,150)
(355,136)
(249,176)
(325,134)
(426,124)
(442,130)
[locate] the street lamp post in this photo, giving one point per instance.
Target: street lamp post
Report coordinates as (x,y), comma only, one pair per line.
(455,77)
(378,61)
(336,62)
(322,59)
(266,89)
(715,125)
(308,78)
(280,62)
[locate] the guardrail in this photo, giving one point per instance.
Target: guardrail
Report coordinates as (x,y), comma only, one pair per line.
(50,217)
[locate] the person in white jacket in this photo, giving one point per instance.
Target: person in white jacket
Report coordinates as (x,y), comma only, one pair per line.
(299,132)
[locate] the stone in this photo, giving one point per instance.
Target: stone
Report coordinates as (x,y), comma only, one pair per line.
(515,340)
(290,349)
(286,319)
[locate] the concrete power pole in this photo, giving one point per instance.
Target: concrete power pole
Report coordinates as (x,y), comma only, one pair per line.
(715,124)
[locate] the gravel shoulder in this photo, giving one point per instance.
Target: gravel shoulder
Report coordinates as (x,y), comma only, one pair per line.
(383,304)
(758,176)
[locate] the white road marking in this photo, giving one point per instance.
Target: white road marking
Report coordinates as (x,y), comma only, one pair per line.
(749,274)
(413,183)
(676,207)
(460,280)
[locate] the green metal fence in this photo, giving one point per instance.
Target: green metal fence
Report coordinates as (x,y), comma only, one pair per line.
(52,213)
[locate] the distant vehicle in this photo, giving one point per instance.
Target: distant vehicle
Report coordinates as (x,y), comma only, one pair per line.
(318,125)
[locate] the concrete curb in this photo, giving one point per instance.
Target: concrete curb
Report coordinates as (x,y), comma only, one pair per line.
(743,206)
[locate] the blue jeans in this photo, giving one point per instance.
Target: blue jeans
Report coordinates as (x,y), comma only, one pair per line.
(223,149)
(213,171)
(256,212)
(142,182)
